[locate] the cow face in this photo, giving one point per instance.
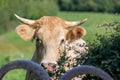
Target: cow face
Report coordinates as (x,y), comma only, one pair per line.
(53,32)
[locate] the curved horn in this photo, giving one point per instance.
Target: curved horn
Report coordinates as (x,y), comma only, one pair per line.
(26,21)
(85,69)
(25,64)
(76,23)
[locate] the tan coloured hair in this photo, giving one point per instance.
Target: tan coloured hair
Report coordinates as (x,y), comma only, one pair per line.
(53,32)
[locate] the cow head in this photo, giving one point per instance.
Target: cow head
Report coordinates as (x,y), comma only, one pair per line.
(53,32)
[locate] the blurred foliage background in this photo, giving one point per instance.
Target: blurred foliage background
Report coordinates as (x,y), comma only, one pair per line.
(103,30)
(34,9)
(110,6)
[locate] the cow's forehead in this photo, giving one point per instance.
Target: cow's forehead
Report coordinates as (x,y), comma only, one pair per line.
(51,20)
(51,29)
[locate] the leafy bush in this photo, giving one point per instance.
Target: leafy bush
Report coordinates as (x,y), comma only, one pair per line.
(105,52)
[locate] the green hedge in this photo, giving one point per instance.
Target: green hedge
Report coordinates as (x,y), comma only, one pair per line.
(105,52)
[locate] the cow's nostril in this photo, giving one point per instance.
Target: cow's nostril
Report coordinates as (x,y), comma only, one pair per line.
(42,64)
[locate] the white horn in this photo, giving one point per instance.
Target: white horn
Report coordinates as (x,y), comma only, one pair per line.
(76,23)
(26,21)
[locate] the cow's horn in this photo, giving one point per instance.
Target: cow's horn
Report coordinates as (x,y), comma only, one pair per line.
(26,21)
(76,23)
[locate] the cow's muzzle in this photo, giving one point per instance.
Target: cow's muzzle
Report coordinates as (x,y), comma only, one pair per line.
(50,67)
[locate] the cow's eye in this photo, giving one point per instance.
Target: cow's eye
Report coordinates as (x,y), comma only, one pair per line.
(62,40)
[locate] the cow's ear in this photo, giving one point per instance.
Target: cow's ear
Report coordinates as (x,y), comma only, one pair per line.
(75,33)
(25,32)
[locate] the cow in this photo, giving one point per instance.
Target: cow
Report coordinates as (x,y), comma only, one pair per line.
(52,35)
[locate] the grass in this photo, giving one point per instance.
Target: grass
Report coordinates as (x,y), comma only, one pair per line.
(12,43)
(12,47)
(17,74)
